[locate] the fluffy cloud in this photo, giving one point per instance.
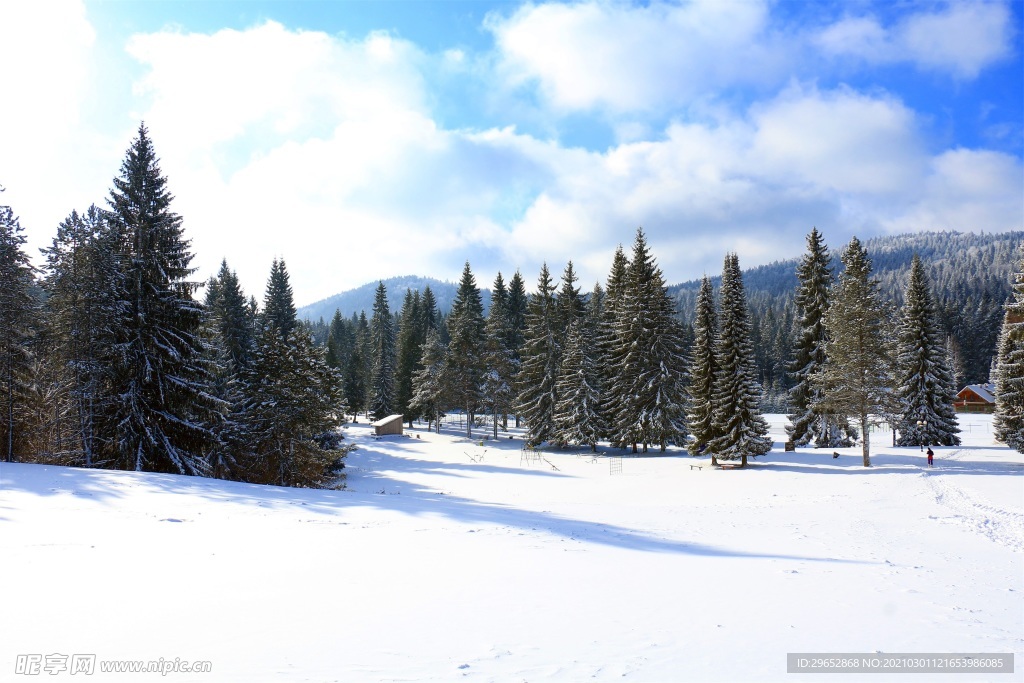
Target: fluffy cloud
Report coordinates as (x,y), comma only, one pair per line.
(621,57)
(961,38)
(327,151)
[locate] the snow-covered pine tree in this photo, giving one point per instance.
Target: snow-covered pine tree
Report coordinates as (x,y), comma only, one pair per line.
(500,366)
(235,322)
(408,354)
(812,300)
(924,386)
(430,383)
(538,373)
(292,400)
(653,377)
(382,382)
(229,331)
(18,315)
(570,305)
(741,429)
(577,418)
(1008,421)
(517,303)
(465,348)
(856,379)
(611,350)
(703,368)
(357,375)
(162,417)
(82,308)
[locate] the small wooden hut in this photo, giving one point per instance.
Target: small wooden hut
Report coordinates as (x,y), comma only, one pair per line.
(392,424)
(976,398)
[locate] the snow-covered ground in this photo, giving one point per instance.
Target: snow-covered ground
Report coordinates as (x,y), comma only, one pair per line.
(449,560)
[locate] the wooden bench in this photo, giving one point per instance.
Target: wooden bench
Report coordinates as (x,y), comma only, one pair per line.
(695,467)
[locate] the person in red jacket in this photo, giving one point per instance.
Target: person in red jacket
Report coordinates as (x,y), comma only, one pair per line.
(930,456)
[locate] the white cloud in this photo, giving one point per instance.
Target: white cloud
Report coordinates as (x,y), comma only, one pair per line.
(324,150)
(961,38)
(622,57)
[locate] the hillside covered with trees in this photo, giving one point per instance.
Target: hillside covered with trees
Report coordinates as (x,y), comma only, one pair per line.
(108,358)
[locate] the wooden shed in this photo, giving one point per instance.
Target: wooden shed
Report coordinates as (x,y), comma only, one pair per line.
(392,424)
(976,398)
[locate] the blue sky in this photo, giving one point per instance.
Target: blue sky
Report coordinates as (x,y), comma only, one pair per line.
(362,140)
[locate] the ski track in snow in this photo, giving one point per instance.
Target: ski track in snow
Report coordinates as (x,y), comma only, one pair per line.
(1005,527)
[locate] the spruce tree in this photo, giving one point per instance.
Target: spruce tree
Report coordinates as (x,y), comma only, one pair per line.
(292,399)
(703,369)
(652,378)
(500,365)
(162,418)
(408,354)
(382,383)
(517,306)
(741,429)
(812,300)
(466,347)
(82,312)
(18,313)
(430,383)
(925,384)
(538,374)
(1008,421)
(856,380)
(577,418)
(612,349)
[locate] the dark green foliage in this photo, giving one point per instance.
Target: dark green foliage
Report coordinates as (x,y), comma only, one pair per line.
(856,380)
(924,385)
(292,403)
(740,428)
(81,313)
(814,274)
(538,373)
(500,365)
(382,382)
(652,378)
(703,369)
(411,336)
(18,312)
(611,353)
(466,366)
(1008,421)
(163,414)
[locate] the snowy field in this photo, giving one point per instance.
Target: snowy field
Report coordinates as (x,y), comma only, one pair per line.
(448,560)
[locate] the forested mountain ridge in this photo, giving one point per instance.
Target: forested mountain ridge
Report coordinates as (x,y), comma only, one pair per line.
(969,272)
(360,299)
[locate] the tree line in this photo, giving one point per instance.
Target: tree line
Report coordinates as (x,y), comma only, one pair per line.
(109,360)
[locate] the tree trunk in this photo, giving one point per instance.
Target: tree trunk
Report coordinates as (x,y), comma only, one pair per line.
(743,461)
(867,439)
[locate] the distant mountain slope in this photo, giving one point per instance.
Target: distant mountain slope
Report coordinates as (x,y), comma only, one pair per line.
(970,275)
(361,298)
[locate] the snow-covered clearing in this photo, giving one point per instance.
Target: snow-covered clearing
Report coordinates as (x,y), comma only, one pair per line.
(447,560)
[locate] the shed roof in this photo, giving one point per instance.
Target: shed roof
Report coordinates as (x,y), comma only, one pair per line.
(386,420)
(986,392)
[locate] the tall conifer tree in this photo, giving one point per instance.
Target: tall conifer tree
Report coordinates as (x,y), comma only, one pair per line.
(538,375)
(18,311)
(382,382)
(812,300)
(1008,420)
(924,387)
(742,431)
(466,347)
(163,413)
(856,380)
(703,369)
